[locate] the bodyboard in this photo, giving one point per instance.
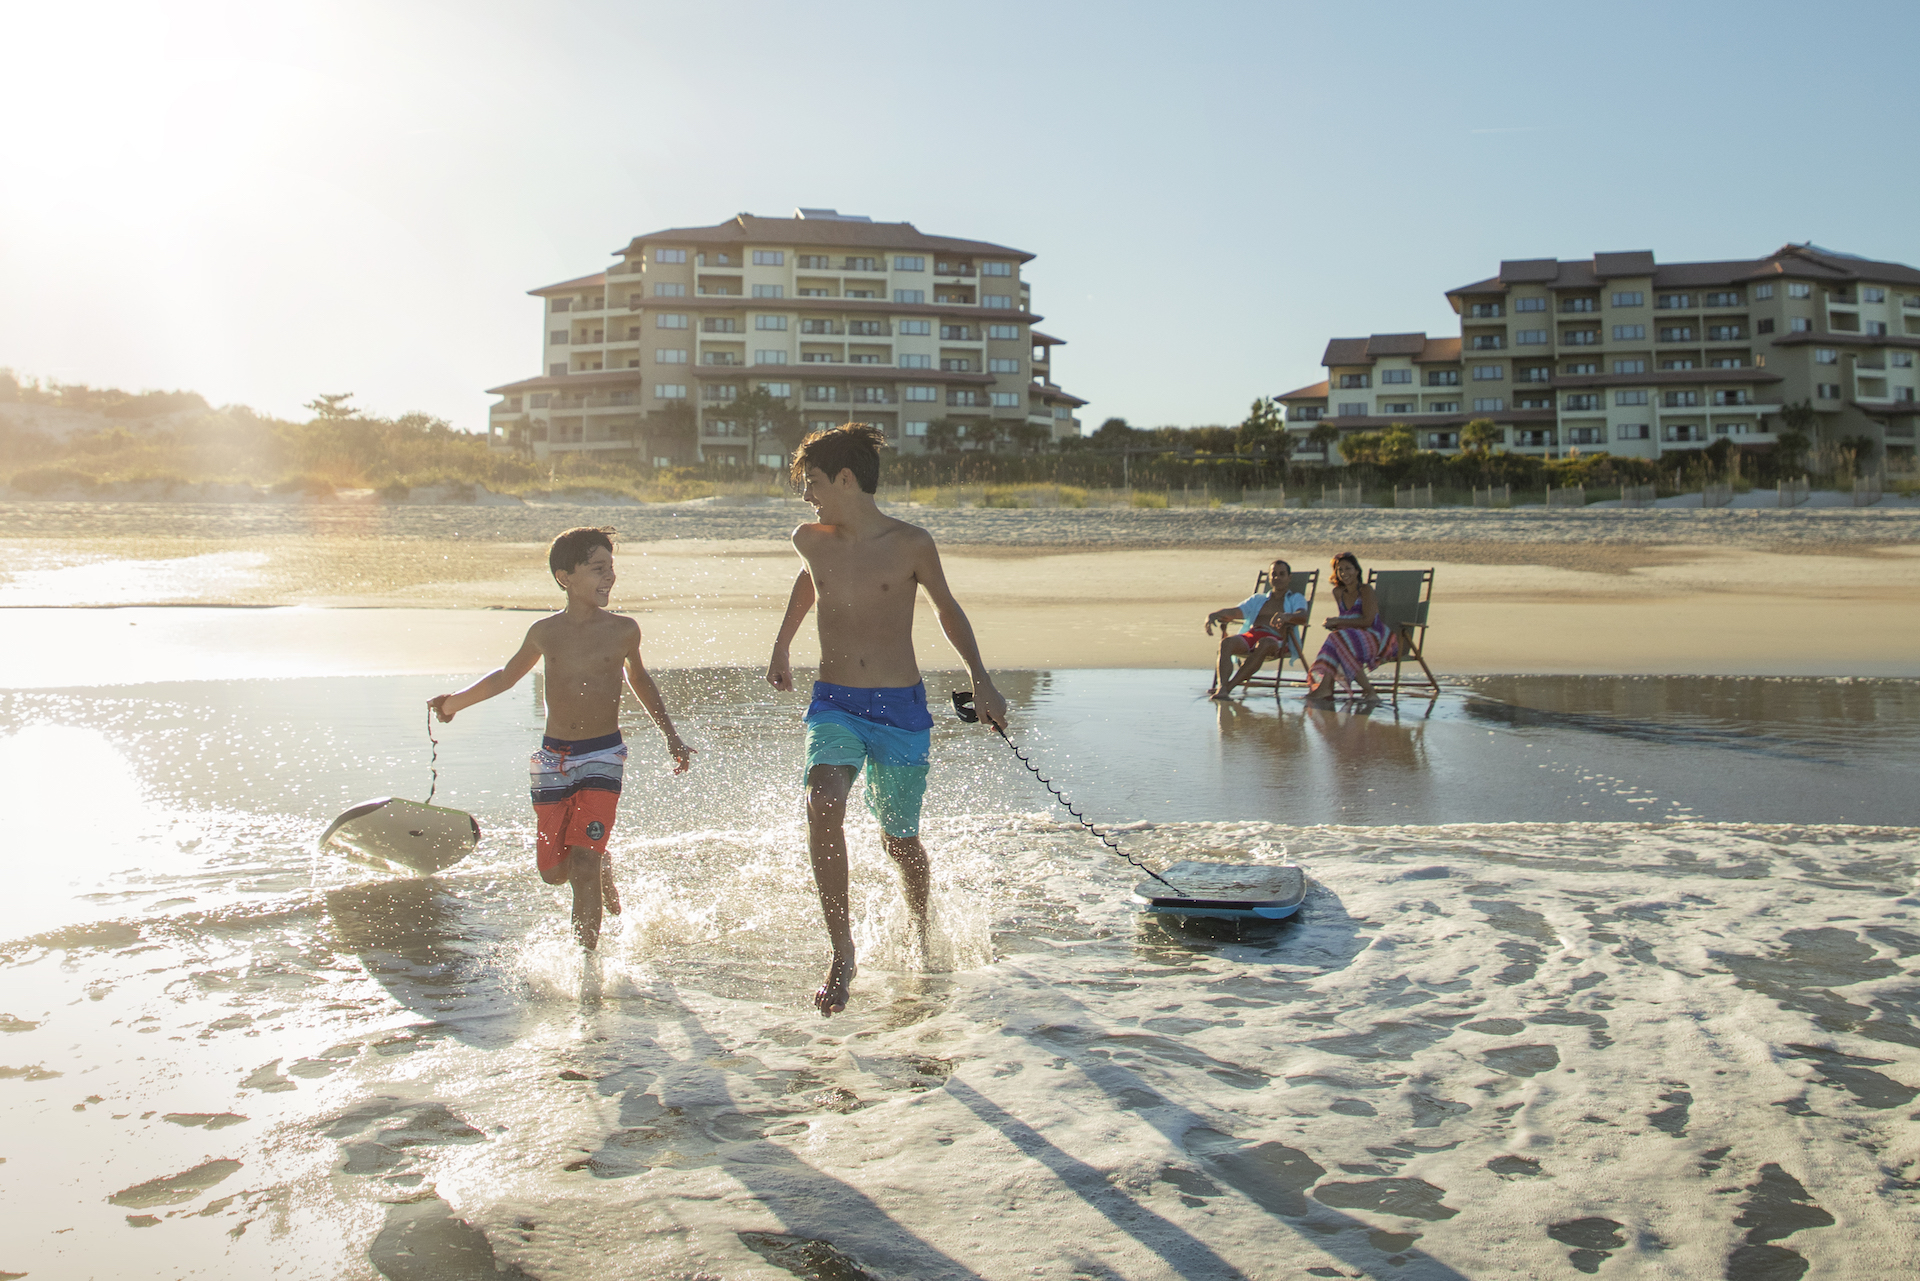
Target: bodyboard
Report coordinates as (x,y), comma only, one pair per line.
(403,835)
(1226,891)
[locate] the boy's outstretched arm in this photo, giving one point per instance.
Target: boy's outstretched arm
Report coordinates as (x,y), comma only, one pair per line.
(498,681)
(780,667)
(641,682)
(953,621)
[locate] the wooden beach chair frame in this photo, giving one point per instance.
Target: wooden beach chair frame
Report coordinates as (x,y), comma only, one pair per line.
(1307,583)
(1404,597)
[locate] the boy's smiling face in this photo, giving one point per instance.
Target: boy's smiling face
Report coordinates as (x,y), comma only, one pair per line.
(591,581)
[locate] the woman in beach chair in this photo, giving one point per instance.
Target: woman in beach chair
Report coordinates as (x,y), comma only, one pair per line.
(1359,639)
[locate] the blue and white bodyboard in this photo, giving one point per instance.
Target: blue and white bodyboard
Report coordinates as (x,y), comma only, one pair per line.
(1225,891)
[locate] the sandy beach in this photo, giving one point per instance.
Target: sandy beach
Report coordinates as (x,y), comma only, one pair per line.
(290,591)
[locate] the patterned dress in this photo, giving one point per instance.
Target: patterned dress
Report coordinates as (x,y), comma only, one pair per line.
(1349,651)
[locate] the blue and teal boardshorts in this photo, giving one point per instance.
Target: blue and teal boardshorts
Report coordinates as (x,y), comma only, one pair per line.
(886,731)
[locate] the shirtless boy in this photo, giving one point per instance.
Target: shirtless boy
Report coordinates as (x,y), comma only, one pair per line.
(576,773)
(869,708)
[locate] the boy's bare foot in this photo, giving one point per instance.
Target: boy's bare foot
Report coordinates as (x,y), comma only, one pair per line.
(609,892)
(832,996)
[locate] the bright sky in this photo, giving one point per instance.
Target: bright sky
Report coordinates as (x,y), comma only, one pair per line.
(265,201)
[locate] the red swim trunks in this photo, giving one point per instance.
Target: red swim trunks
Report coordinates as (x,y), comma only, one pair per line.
(1254,635)
(576,788)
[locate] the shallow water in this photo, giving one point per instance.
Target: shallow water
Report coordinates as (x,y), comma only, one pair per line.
(1591,970)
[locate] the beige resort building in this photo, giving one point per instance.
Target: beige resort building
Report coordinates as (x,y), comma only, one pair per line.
(842,317)
(1623,354)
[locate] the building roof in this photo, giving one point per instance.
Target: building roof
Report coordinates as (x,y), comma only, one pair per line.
(1050,393)
(1804,261)
(836,231)
(1046,339)
(1364,351)
(579,282)
(563,382)
(1313,391)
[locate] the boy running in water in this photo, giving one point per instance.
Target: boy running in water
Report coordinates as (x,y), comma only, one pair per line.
(864,568)
(577,771)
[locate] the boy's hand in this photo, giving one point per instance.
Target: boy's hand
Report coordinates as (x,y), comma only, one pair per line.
(681,753)
(439,705)
(780,671)
(991,706)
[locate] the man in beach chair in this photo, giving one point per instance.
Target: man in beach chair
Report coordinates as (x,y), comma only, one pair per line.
(1270,616)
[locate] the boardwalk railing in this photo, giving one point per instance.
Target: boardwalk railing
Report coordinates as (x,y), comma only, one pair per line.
(1342,496)
(1413,496)
(1493,496)
(1867,490)
(1636,496)
(1791,493)
(1571,496)
(1717,494)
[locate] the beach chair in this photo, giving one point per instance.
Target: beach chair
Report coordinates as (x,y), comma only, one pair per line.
(1403,596)
(1307,583)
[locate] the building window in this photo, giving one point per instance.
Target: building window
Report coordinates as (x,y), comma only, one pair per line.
(915,362)
(772,356)
(1489,342)
(1581,402)
(669,320)
(770,322)
(1586,435)
(1353,409)
(964,398)
(1003,332)
(1900,359)
(669,255)
(822,392)
(670,391)
(1398,407)
(1727,362)
(1005,399)
(1582,367)
(769,258)
(1530,338)
(1388,376)
(1349,382)
(1489,405)
(1533,374)
(813,293)
(1827,391)
(1763,326)
(996,269)
(918,393)
(1580,337)
(1676,333)
(1444,407)
(1869,293)
(1724,333)
(1685,432)
(913,428)
(1723,300)
(1826,356)
(1484,311)
(720,325)
(923,328)
(1683,362)
(781,390)
(1629,397)
(1799,325)
(1674,302)
(1680,399)
(1489,373)
(1529,304)
(1762,291)
(1732,398)
(818,327)
(1876,327)
(1799,289)
(1631,298)
(1630,431)
(909,262)
(669,291)
(769,291)
(860,264)
(910,295)
(1629,333)
(670,355)
(1629,366)
(813,262)
(557,337)
(999,302)
(1578,304)
(867,328)
(999,365)
(1533,402)
(1536,436)
(1443,378)
(957,333)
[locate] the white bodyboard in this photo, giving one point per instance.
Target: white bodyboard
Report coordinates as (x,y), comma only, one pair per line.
(1226,891)
(403,835)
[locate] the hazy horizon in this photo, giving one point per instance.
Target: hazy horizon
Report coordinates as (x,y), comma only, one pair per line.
(261,205)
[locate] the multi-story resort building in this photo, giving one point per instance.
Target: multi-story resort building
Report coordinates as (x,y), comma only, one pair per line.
(1634,357)
(840,317)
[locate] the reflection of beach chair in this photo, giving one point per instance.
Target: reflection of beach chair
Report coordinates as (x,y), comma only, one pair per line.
(1404,596)
(1307,583)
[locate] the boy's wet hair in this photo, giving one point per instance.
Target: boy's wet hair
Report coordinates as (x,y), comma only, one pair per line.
(571,549)
(854,446)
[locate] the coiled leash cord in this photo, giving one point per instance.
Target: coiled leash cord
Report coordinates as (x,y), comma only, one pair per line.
(963,708)
(433,761)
